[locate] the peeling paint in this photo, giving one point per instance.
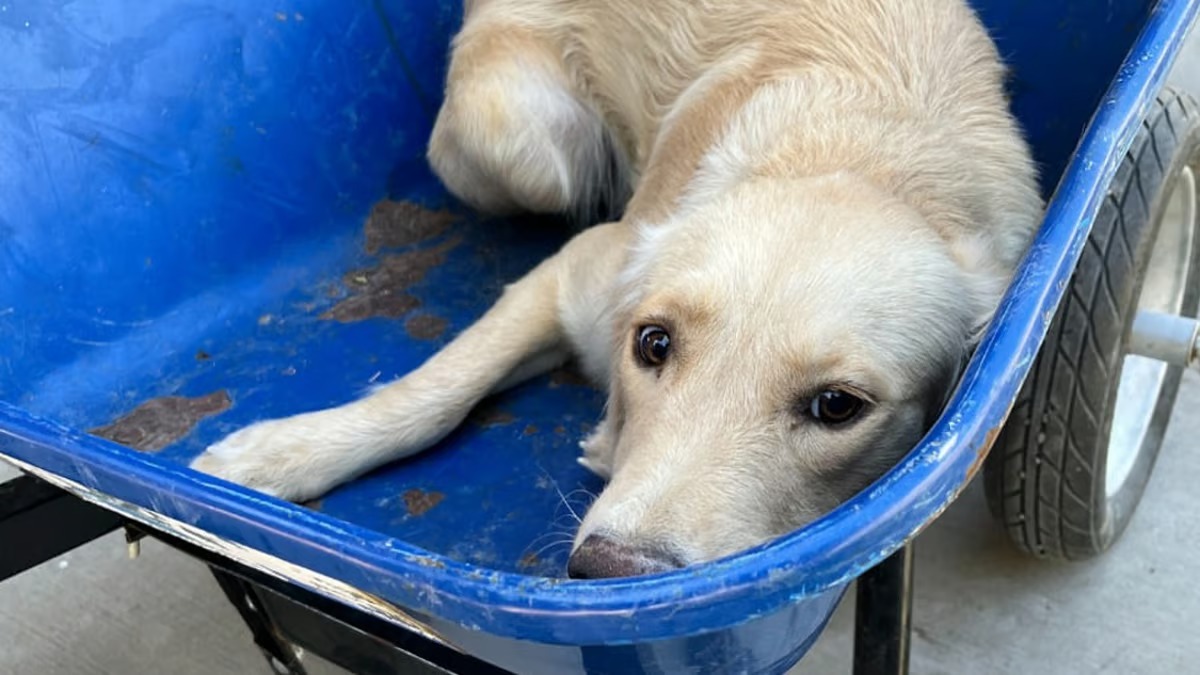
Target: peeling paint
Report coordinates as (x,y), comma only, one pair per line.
(396,224)
(426,561)
(425,326)
(418,502)
(159,422)
(380,291)
(275,567)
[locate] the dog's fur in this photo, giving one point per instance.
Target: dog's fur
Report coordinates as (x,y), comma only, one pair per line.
(826,194)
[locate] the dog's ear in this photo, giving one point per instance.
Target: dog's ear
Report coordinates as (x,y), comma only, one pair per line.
(598,451)
(984,283)
(599,448)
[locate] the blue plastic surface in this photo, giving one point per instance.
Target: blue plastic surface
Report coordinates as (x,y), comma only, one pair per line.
(183,188)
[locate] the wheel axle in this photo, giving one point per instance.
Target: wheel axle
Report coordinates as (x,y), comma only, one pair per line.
(1166,337)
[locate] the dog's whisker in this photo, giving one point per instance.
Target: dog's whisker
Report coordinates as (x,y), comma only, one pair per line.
(554,544)
(563,534)
(574,514)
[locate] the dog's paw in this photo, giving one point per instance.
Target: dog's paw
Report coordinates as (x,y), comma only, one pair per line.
(277,457)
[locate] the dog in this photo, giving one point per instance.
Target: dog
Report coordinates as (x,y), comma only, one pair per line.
(824,201)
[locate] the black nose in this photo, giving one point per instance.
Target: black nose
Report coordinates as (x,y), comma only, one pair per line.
(600,557)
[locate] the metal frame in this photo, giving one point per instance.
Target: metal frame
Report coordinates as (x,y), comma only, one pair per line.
(883,616)
(281,655)
(39,521)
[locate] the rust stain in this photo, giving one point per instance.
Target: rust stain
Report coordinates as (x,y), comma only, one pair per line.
(530,430)
(159,422)
(568,375)
(988,441)
(488,414)
(418,502)
(560,430)
(395,224)
(528,560)
(379,291)
(425,326)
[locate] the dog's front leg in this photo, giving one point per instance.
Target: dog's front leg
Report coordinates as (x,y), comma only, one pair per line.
(529,330)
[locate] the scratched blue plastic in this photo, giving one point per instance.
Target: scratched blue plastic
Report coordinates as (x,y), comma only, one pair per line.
(182,190)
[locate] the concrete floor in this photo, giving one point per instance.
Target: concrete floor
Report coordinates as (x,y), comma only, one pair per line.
(979,608)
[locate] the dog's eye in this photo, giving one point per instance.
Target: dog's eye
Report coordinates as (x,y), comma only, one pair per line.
(834,407)
(653,345)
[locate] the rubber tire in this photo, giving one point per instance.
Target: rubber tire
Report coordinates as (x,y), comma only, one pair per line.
(1045,478)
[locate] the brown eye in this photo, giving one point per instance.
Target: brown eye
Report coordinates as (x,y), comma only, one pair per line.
(834,407)
(653,345)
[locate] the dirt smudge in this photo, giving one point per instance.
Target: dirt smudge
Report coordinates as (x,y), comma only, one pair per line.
(425,326)
(395,224)
(380,291)
(530,430)
(159,422)
(418,502)
(528,560)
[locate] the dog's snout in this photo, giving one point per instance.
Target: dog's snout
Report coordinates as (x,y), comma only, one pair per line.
(601,557)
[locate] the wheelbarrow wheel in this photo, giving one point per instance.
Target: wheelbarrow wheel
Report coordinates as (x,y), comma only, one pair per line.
(1074,458)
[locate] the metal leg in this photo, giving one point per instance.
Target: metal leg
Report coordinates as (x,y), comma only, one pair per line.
(883,616)
(39,521)
(280,613)
(280,654)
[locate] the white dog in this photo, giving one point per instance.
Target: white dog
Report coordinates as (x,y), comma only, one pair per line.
(828,199)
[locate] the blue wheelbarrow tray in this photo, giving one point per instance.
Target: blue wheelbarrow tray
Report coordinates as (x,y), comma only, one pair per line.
(214,212)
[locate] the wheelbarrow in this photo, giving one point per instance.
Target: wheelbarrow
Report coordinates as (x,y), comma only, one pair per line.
(213,212)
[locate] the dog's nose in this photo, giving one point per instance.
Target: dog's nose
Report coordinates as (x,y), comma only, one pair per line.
(600,557)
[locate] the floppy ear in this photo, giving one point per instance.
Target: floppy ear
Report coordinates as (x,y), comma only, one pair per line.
(600,447)
(985,292)
(985,280)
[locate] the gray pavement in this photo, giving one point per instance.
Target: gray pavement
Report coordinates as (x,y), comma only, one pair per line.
(980,607)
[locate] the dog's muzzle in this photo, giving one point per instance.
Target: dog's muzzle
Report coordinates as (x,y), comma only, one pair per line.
(602,557)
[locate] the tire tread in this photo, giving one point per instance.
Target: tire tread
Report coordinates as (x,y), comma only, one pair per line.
(1041,478)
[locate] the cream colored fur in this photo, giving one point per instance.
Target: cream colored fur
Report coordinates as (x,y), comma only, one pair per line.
(824,193)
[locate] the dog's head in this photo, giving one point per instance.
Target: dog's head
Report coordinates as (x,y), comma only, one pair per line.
(777,349)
